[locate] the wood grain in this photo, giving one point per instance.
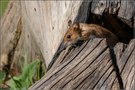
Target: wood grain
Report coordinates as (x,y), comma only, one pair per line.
(91,68)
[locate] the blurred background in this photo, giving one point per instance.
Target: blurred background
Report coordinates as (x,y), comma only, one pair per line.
(3,6)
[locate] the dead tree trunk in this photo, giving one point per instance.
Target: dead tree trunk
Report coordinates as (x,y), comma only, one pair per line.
(90,67)
(36,28)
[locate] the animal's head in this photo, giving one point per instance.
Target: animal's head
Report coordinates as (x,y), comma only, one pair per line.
(73,34)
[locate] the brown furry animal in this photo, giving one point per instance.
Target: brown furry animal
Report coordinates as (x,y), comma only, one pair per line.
(83,31)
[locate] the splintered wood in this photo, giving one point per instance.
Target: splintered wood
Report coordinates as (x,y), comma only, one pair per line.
(90,67)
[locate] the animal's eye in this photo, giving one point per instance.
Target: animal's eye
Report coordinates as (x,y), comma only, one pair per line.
(69,36)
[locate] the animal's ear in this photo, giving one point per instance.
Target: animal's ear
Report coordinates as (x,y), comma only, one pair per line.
(76,26)
(69,23)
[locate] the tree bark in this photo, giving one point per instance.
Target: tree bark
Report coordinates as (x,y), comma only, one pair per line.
(91,67)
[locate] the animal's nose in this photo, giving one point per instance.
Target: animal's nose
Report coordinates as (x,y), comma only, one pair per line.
(68,43)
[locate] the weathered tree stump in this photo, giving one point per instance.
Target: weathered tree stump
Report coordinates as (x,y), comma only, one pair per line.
(90,67)
(43,25)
